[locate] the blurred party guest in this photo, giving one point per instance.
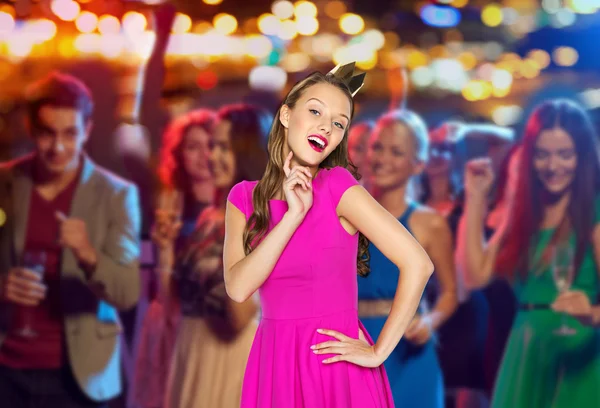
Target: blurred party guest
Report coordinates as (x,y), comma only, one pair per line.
(398,151)
(187,189)
(358,143)
(74,261)
(437,189)
(549,250)
(502,304)
(216,333)
(463,339)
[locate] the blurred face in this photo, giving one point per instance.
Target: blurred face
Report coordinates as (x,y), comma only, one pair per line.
(59,136)
(358,140)
(317,124)
(440,157)
(392,156)
(222,159)
(195,151)
(555,160)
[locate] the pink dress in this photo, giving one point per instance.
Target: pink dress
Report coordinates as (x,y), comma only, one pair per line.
(312,286)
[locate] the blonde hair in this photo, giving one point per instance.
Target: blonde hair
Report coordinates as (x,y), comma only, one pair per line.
(416,127)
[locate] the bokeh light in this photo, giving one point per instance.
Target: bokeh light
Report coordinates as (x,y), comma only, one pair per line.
(86,22)
(352,23)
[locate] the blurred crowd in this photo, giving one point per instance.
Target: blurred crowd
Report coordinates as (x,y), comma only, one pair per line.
(509,221)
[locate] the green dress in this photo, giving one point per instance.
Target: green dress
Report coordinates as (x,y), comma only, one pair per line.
(541,369)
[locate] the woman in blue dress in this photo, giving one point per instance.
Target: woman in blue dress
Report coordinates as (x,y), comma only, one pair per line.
(398,150)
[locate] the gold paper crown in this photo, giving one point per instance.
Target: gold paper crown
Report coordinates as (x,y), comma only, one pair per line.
(346,73)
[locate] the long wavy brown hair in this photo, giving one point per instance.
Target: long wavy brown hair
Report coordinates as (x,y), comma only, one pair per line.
(514,259)
(273,177)
(170,170)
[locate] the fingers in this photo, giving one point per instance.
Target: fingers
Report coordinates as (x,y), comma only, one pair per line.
(24,288)
(302,170)
(60,216)
(335,359)
(298,179)
(24,274)
(286,164)
(339,350)
(334,334)
(326,344)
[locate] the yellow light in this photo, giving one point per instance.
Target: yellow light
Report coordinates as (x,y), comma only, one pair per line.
(541,57)
(438,51)
(565,56)
(307,25)
(225,23)
(369,63)
(295,62)
(66,48)
(109,25)
(213,2)
(529,69)
(459,3)
(8,9)
(66,10)
(288,30)
(134,22)
(283,9)
(7,23)
(335,9)
(392,40)
(305,9)
(86,22)
(492,15)
(352,23)
(202,27)
(477,90)
(416,59)
(269,24)
(468,60)
(182,24)
(500,92)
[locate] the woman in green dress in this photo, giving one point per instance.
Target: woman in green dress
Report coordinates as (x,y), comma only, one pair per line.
(553,232)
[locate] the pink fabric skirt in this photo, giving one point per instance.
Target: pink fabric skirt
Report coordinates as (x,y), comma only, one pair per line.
(283,371)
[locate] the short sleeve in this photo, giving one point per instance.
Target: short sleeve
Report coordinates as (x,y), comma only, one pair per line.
(340,180)
(237,197)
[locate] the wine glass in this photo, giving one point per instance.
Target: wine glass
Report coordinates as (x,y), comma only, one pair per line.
(170,205)
(34,261)
(562,273)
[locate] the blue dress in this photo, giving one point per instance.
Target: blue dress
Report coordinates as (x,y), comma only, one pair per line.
(413,371)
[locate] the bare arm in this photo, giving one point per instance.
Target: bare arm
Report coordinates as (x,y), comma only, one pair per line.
(476,258)
(439,249)
(398,245)
(245,274)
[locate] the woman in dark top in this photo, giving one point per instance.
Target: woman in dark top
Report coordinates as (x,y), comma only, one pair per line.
(216,333)
(187,189)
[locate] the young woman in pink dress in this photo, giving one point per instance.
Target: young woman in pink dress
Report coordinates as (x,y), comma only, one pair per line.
(294,237)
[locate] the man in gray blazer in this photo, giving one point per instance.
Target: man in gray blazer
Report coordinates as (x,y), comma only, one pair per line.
(69,247)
